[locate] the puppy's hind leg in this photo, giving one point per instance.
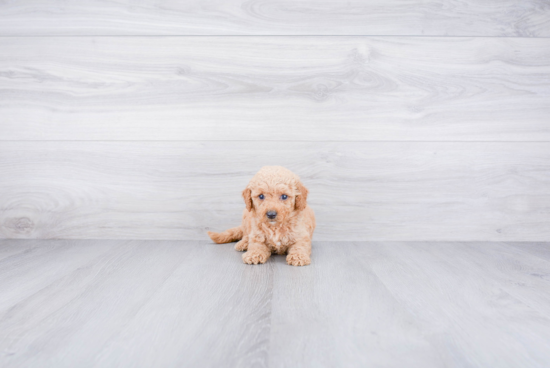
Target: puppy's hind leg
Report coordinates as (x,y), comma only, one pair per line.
(242,245)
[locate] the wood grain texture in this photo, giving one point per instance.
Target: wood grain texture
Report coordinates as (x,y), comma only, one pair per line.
(195,304)
(11,247)
(526,18)
(538,249)
(339,311)
(410,304)
(274,88)
(179,190)
(447,286)
(136,300)
(43,265)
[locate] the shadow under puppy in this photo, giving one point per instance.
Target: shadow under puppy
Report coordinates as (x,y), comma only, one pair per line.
(277,219)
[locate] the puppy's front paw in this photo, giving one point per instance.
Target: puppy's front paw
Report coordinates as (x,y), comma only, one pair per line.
(252,257)
(241,246)
(298,259)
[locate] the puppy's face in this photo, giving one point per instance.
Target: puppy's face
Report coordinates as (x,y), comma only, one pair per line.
(273,203)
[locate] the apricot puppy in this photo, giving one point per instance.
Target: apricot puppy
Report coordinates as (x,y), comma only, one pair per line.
(277,219)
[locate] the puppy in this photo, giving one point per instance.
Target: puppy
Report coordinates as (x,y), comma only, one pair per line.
(277,219)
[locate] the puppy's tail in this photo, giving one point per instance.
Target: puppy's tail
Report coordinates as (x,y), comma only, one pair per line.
(227,236)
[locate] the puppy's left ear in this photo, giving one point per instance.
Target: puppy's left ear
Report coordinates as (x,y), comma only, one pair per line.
(301,198)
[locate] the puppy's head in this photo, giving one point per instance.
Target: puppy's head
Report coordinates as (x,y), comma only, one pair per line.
(274,194)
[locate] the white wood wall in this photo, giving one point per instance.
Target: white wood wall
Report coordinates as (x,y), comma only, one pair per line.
(408,120)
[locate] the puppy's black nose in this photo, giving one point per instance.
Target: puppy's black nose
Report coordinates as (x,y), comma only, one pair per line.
(271,214)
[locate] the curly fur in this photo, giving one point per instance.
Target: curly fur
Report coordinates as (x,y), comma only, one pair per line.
(289,233)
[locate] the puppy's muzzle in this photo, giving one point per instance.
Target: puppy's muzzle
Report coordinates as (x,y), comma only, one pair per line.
(271,215)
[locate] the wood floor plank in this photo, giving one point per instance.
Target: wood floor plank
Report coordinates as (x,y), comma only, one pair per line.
(539,249)
(31,271)
(67,323)
(275,88)
(479,321)
(179,190)
(521,274)
(528,18)
(337,310)
(194,303)
(12,247)
(221,317)
(162,303)
(408,304)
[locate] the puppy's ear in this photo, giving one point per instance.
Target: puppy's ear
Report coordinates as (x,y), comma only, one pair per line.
(247,195)
(301,198)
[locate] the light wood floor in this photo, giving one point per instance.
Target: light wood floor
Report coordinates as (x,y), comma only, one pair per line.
(121,303)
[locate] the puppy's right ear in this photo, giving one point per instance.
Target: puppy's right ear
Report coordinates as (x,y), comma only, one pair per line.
(247,195)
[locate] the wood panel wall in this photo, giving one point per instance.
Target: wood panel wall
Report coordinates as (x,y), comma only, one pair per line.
(407,120)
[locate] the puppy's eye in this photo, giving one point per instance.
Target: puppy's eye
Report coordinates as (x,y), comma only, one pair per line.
(284,196)
(261,196)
